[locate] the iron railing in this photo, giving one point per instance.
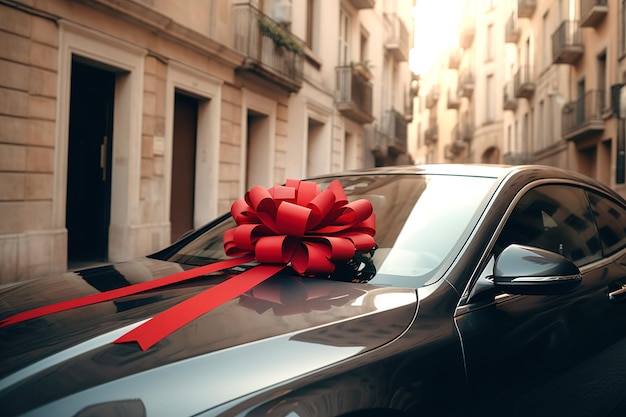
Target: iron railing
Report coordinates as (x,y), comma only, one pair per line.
(394,126)
(592,12)
(270,49)
(354,94)
(585,111)
(523,84)
(567,43)
(398,38)
(526,8)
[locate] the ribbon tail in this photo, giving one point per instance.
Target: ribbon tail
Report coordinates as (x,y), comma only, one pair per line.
(172,319)
(124,291)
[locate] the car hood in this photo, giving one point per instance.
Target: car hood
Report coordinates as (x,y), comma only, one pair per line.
(285,327)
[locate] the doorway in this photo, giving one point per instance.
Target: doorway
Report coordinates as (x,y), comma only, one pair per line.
(88,204)
(183,165)
(257,167)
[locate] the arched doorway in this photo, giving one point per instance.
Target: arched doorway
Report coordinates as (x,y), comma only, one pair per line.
(491,156)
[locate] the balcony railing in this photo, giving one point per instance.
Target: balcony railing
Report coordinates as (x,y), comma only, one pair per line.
(526,8)
(394,126)
(454,58)
(466,84)
(432,97)
(381,147)
(270,50)
(465,130)
(354,95)
(584,116)
(509,101)
(567,43)
(431,135)
(362,4)
(398,39)
(457,145)
(453,100)
(523,84)
(408,106)
(592,12)
(512,31)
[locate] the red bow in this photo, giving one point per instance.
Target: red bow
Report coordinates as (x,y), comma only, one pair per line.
(295,225)
(298,224)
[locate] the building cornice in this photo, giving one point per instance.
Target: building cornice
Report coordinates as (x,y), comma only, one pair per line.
(165,27)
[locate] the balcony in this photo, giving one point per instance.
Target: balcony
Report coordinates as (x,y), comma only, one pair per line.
(512,31)
(457,146)
(394,127)
(523,84)
(380,147)
(567,44)
(408,106)
(398,39)
(454,58)
(431,135)
(271,52)
(362,4)
(526,8)
(354,95)
(432,97)
(592,12)
(584,116)
(466,84)
(509,101)
(453,100)
(467,32)
(465,131)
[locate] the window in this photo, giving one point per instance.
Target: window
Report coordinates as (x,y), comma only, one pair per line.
(489,51)
(622,28)
(602,84)
(541,127)
(547,42)
(311,18)
(344,37)
(509,139)
(556,218)
(490,100)
(610,219)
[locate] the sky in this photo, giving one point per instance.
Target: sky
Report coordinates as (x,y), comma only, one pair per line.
(436,24)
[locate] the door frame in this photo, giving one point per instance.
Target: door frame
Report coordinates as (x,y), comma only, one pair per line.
(127,61)
(208,90)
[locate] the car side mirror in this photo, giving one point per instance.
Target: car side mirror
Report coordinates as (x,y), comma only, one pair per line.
(533,271)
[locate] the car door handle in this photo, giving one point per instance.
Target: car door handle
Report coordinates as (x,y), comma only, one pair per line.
(618,294)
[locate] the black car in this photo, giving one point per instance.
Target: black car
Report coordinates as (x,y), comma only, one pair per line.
(489,290)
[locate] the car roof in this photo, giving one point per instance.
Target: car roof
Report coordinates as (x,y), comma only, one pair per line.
(442,169)
(500,172)
(472,170)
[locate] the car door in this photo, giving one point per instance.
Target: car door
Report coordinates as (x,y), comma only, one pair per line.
(552,355)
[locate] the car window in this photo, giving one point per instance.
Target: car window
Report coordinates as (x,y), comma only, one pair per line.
(556,218)
(610,219)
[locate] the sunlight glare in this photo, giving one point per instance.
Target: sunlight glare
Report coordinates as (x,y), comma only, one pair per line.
(436,24)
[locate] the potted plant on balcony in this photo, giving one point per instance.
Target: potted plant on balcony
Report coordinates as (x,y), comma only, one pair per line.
(362,68)
(281,37)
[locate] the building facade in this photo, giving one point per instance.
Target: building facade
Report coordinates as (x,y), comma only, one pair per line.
(124,124)
(536,81)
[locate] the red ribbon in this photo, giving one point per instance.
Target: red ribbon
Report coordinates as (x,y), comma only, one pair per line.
(296,224)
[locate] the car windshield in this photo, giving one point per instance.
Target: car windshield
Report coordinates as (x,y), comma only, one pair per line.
(419,221)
